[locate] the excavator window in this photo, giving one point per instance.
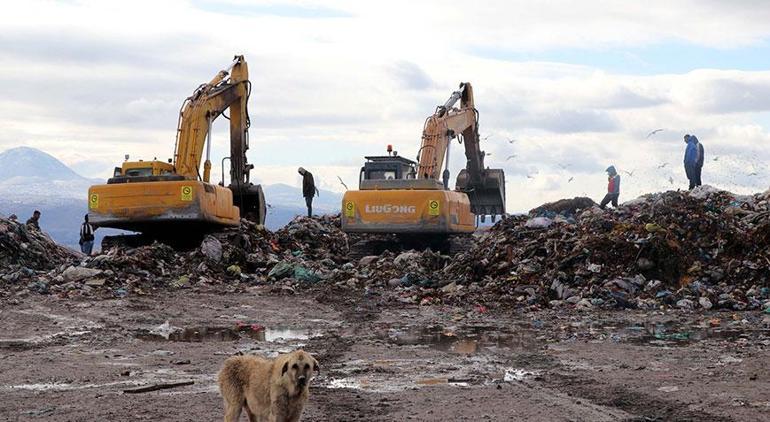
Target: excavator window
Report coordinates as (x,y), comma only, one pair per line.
(382,175)
(140,172)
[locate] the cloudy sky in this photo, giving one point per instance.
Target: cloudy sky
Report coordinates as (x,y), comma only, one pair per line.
(577,85)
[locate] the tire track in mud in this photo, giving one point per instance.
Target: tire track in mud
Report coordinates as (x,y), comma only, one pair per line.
(644,407)
(346,404)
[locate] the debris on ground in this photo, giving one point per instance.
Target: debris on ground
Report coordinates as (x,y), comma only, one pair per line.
(699,250)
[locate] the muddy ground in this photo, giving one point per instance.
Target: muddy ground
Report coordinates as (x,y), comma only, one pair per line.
(68,360)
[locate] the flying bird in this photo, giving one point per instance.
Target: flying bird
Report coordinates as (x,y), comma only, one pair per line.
(653,132)
(511,140)
(716,158)
(511,156)
(629,173)
(662,165)
(529,176)
(670,180)
(753,173)
(343,183)
(571,179)
(563,166)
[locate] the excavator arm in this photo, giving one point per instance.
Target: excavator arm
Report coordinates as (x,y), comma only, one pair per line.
(485,187)
(228,89)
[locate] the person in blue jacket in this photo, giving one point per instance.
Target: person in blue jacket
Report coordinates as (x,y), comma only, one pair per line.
(613,188)
(691,160)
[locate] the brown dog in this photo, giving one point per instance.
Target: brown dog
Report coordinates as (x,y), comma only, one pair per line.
(270,390)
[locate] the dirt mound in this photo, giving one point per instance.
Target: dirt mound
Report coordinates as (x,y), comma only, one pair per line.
(23,247)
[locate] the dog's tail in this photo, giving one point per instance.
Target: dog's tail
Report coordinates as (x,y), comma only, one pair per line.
(232,378)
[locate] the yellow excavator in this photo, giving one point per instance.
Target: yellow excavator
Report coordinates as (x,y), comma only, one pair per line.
(172,200)
(412,199)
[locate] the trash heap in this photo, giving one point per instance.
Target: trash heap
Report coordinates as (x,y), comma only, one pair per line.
(692,250)
(701,249)
(25,252)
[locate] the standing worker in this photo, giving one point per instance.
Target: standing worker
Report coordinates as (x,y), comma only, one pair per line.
(308,189)
(691,160)
(33,222)
(86,236)
(698,160)
(613,188)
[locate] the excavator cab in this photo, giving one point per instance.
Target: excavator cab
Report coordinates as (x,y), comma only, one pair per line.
(385,167)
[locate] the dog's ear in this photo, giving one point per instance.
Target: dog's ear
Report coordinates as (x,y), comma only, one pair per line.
(285,368)
(316,368)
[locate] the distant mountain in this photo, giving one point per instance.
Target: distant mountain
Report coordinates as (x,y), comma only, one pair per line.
(32,179)
(26,162)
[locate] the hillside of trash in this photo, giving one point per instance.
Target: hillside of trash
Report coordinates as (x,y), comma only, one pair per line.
(701,249)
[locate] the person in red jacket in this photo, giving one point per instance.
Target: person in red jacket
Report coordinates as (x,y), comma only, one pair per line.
(613,188)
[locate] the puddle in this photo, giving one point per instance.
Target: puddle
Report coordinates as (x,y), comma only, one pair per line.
(467,340)
(518,374)
(166,332)
(665,334)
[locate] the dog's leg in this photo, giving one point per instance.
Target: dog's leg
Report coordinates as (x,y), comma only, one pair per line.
(232,411)
(250,414)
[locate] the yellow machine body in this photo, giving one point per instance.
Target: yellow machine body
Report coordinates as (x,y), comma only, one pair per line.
(153,206)
(428,211)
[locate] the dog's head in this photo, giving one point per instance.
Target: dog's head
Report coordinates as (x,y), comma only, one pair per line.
(299,367)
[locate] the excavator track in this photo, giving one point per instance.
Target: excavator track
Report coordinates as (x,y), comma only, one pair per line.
(377,244)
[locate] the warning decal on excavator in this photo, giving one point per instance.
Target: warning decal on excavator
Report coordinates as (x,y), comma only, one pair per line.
(350,209)
(433,207)
(187,193)
(93,201)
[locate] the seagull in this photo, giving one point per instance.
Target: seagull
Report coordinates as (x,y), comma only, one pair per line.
(662,165)
(511,140)
(716,158)
(487,153)
(529,176)
(486,137)
(630,174)
(563,166)
(343,183)
(753,173)
(653,132)
(670,180)
(511,156)
(571,179)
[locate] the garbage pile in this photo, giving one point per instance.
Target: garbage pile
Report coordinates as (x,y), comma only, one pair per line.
(701,249)
(25,252)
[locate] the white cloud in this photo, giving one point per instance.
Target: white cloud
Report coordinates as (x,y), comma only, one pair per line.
(89,81)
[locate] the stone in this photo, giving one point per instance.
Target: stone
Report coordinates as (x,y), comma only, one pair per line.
(73,273)
(705,303)
(685,304)
(368,260)
(211,248)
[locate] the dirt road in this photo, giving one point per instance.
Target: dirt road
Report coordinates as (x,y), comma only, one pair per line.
(68,360)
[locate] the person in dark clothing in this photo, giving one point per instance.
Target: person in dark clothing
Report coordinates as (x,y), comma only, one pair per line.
(308,189)
(33,222)
(691,160)
(698,161)
(86,236)
(613,188)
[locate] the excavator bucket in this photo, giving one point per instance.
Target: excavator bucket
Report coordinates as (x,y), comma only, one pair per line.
(487,194)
